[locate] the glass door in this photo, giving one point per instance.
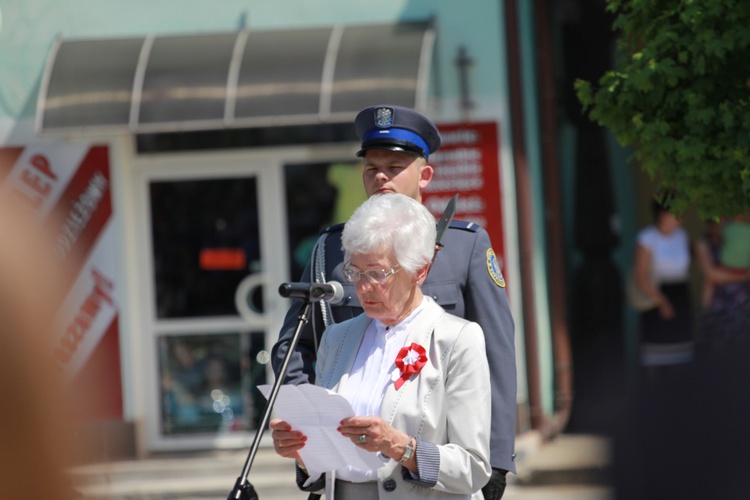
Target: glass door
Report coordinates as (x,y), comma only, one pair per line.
(213,254)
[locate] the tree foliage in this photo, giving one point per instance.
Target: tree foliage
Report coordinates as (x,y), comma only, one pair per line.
(680,98)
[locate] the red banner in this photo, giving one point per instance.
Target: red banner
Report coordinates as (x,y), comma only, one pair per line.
(68,189)
(468,164)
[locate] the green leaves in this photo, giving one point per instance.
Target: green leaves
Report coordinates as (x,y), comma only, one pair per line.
(680,97)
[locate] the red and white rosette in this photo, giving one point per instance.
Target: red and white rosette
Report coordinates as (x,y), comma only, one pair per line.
(409,361)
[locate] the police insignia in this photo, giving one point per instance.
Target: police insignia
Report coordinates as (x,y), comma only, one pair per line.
(384,117)
(493,267)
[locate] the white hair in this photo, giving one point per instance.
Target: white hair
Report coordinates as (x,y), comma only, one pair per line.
(391,221)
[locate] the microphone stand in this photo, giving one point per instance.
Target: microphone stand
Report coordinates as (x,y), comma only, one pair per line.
(243,490)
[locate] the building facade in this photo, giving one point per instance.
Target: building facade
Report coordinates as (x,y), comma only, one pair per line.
(188,153)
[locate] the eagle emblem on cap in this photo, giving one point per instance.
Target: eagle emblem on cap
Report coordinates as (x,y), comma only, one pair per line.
(384,117)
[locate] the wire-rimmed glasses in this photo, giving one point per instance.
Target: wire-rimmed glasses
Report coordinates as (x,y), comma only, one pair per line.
(373,276)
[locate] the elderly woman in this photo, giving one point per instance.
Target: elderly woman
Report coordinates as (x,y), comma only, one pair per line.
(416,376)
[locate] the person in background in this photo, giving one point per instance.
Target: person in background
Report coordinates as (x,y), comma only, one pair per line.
(734,255)
(669,423)
(661,271)
(465,279)
(417,377)
(724,317)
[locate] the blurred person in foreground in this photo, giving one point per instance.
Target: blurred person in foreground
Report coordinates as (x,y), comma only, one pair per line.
(35,421)
(416,376)
(465,278)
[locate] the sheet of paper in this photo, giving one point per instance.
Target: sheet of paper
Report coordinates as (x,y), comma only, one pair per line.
(316,412)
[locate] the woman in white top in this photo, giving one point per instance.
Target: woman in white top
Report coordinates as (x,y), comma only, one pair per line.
(661,271)
(417,377)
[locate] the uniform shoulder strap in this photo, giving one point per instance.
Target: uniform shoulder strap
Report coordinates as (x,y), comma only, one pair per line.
(465,225)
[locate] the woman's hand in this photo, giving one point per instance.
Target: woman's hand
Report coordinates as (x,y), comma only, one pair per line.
(379,436)
(665,308)
(286,441)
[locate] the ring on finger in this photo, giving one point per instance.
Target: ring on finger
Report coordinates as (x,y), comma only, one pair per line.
(362,439)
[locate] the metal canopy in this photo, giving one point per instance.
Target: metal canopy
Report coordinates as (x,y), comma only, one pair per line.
(238,79)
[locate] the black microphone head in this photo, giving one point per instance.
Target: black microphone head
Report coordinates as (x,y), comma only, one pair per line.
(285,289)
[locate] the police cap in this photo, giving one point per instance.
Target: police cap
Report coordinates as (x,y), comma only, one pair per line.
(396,128)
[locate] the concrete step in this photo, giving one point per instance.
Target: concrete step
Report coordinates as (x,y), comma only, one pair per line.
(572,459)
(558,492)
(186,476)
(569,467)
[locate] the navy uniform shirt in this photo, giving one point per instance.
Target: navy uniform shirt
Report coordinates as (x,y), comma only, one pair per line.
(465,280)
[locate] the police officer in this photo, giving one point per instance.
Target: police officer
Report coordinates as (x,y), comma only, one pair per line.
(465,278)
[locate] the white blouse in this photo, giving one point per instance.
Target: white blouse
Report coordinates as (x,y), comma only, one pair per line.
(670,253)
(372,372)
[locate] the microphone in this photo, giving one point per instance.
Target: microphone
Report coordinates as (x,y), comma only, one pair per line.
(331,292)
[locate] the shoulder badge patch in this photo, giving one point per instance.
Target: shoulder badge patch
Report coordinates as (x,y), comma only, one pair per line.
(493,267)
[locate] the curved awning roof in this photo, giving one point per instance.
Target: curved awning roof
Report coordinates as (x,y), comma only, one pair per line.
(246,78)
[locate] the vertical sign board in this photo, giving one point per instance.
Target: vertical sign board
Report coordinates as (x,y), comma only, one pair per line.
(467,163)
(68,188)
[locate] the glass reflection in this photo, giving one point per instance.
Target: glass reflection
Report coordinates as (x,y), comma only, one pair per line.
(209,382)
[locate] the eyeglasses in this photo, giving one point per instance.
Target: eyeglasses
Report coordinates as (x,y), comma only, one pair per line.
(373,276)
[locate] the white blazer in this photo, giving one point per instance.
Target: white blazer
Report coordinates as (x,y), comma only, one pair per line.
(448,398)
